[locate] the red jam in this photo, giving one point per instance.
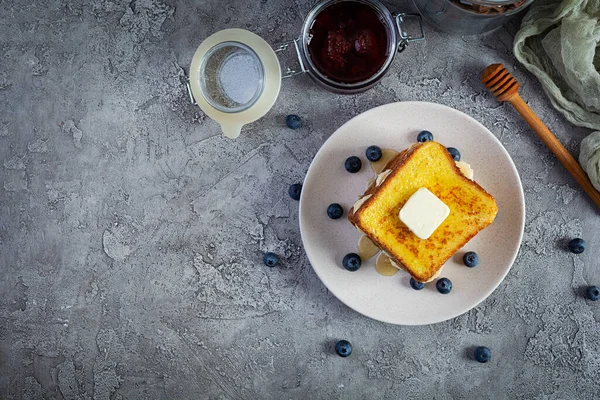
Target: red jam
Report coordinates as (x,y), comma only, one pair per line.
(349,42)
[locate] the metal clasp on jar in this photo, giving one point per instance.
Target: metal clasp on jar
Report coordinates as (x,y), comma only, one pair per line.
(289,72)
(404,37)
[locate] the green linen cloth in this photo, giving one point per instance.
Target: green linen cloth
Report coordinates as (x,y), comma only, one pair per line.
(589,158)
(557,43)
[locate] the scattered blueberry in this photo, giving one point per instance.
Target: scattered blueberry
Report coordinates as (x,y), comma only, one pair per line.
(416,284)
(335,211)
(483,354)
(373,153)
(454,153)
(271,259)
(444,285)
(295,190)
(471,259)
(343,348)
(424,136)
(293,121)
(593,293)
(352,262)
(577,246)
(353,164)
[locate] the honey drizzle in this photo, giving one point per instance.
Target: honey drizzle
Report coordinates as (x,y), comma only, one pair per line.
(384,266)
(366,248)
(386,156)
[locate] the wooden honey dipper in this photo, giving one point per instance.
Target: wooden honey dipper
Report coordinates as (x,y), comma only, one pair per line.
(505,87)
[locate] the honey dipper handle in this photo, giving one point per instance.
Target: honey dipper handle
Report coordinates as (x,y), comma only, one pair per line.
(556,147)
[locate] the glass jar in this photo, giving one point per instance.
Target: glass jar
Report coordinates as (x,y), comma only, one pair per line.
(397,40)
(469,17)
(235,76)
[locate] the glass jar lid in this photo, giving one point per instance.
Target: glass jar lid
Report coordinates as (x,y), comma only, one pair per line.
(235,78)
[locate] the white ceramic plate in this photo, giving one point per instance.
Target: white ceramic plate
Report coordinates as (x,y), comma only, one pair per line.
(391,299)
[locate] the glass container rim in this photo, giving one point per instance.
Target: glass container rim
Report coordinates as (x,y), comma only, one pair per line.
(261,81)
(493,3)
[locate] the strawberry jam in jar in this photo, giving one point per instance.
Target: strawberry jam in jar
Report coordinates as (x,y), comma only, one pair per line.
(347,46)
(348,42)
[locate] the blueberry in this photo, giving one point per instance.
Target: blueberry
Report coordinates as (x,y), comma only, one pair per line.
(293,121)
(335,211)
(424,136)
(483,354)
(454,153)
(352,262)
(416,284)
(373,153)
(577,246)
(343,348)
(295,190)
(271,259)
(471,259)
(444,285)
(353,164)
(593,293)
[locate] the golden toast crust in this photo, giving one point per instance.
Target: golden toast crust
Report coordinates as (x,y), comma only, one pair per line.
(473,208)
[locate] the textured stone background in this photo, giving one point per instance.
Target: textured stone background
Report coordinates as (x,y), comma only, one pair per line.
(131,231)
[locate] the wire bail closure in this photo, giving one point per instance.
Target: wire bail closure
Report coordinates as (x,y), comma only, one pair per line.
(289,72)
(404,37)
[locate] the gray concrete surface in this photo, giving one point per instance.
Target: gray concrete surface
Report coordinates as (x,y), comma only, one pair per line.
(131,231)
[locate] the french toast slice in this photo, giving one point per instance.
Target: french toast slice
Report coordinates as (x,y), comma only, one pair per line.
(427,165)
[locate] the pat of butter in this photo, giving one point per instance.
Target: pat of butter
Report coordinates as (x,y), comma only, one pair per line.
(423,213)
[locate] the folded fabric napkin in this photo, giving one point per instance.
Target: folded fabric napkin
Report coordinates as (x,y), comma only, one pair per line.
(589,158)
(557,43)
